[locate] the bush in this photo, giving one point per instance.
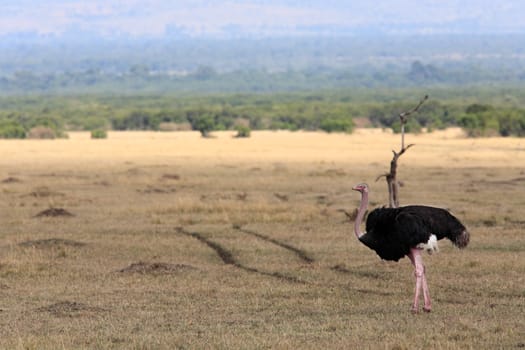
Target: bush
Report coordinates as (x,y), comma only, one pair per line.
(242,131)
(99,134)
(204,123)
(11,130)
(137,120)
(482,124)
(337,125)
(512,123)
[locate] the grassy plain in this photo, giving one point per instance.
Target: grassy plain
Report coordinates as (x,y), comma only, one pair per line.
(182,242)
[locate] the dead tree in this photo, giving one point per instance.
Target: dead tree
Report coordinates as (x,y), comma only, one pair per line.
(391,177)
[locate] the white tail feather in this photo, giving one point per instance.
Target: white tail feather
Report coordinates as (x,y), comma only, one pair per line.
(431,246)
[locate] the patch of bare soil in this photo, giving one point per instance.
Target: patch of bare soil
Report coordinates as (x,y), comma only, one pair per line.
(329,172)
(281,197)
(155,268)
(54,212)
(44,191)
(51,242)
(514,181)
(241,196)
(170,177)
(70,309)
(102,183)
(10,180)
(152,189)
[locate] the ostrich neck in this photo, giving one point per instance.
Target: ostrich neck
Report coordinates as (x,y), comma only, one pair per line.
(360,215)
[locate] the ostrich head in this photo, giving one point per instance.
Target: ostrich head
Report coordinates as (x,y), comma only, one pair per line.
(363,188)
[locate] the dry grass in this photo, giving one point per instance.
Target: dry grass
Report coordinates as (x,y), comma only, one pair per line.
(182,242)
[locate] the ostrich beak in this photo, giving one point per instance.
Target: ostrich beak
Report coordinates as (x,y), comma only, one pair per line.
(359,188)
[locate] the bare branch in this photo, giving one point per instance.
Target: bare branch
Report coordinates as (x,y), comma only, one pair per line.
(391,177)
(380,176)
(403,150)
(404,115)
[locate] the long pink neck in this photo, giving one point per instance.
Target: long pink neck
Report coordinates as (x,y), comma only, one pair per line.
(361,214)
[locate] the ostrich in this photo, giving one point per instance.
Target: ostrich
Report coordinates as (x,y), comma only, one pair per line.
(396,232)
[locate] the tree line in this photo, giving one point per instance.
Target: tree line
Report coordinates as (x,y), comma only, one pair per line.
(140,78)
(22,117)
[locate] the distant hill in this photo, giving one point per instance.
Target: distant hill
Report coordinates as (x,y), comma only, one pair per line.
(234,19)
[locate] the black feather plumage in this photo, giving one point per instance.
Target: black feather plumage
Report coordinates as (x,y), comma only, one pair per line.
(392,232)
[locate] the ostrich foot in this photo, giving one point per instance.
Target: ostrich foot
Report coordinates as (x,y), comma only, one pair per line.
(415,309)
(421,282)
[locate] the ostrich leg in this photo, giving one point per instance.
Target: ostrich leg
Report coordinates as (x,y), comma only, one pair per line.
(421,281)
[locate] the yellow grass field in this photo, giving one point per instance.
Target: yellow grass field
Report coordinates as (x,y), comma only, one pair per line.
(154,240)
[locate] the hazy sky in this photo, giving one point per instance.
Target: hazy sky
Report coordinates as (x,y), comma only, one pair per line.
(206,17)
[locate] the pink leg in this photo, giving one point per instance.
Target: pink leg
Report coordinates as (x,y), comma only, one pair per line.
(421,281)
(426,293)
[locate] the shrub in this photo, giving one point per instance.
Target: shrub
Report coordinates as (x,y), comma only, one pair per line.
(482,124)
(243,131)
(337,125)
(204,123)
(11,130)
(99,134)
(137,120)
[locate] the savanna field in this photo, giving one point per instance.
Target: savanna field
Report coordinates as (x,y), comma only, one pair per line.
(165,240)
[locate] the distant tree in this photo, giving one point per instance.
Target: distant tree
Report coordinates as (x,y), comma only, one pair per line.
(470,123)
(512,123)
(136,120)
(11,130)
(337,125)
(204,123)
(480,124)
(99,134)
(477,108)
(243,131)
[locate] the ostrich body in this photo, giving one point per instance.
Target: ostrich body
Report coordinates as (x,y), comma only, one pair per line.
(405,231)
